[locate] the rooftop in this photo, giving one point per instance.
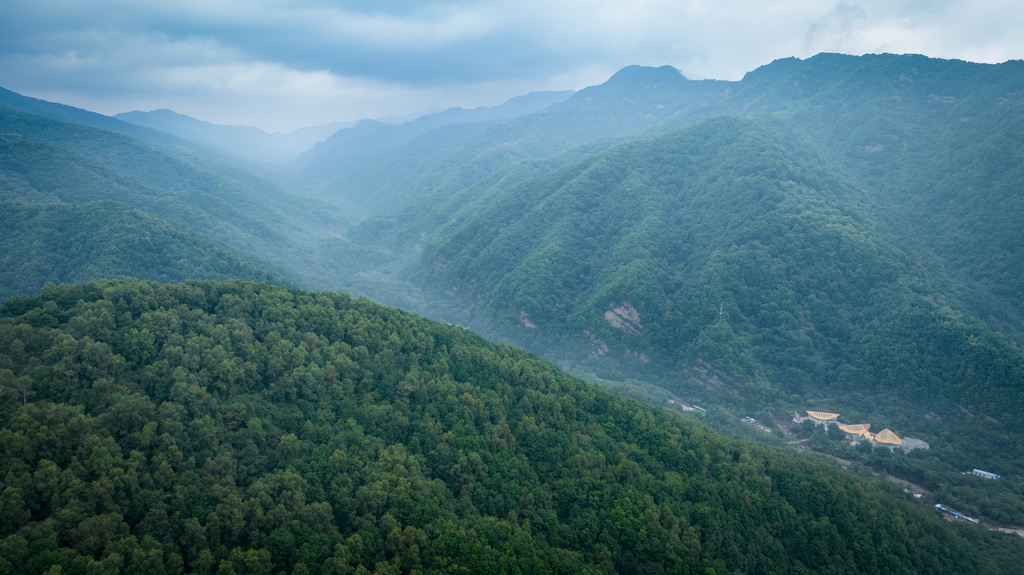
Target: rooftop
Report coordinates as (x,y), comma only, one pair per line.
(823,415)
(858,429)
(886,436)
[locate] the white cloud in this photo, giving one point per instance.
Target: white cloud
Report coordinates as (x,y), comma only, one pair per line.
(283,63)
(387,32)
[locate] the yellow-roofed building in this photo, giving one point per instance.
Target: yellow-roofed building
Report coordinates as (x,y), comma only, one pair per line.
(822,416)
(860,429)
(887,437)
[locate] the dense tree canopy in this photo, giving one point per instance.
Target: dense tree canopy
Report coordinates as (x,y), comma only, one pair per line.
(68,243)
(45,161)
(245,428)
(838,231)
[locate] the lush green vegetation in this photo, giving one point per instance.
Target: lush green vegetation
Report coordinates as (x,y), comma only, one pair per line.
(733,250)
(852,241)
(47,161)
(72,243)
(837,232)
(244,428)
(938,143)
(943,470)
(385,168)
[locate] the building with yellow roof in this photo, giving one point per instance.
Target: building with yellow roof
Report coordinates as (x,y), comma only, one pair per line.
(887,437)
(822,416)
(859,429)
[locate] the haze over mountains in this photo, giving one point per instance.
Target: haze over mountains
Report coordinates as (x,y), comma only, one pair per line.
(244,142)
(253,144)
(837,233)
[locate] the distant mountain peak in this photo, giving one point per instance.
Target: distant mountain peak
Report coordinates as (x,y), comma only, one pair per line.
(637,76)
(162,112)
(164,118)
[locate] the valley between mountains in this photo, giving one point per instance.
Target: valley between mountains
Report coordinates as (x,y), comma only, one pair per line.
(199,373)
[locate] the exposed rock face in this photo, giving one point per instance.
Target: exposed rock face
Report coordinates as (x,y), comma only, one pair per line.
(600,347)
(639,355)
(524,318)
(625,317)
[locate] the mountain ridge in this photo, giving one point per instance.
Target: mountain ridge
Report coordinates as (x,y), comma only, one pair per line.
(244,142)
(51,160)
(837,231)
(904,260)
(230,425)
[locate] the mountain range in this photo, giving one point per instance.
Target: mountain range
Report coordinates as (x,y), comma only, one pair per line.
(244,142)
(837,233)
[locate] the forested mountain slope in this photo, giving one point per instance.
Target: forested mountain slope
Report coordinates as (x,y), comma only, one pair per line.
(386,168)
(346,151)
(239,427)
(728,244)
(937,144)
(925,153)
(72,243)
(842,231)
(45,160)
(64,113)
(838,232)
(172,177)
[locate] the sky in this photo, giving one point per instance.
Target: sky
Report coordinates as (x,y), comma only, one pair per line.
(285,64)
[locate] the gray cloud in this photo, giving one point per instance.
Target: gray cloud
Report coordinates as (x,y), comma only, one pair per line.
(280,64)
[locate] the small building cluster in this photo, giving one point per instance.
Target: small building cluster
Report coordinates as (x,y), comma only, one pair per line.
(860,430)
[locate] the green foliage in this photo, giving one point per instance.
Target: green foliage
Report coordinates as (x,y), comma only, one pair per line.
(840,227)
(245,428)
(64,243)
(386,169)
(47,161)
(840,230)
(729,247)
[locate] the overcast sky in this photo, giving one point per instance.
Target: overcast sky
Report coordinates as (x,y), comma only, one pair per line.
(283,64)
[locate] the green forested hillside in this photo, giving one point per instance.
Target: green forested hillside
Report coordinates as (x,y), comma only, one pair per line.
(728,247)
(44,160)
(238,427)
(387,168)
(179,184)
(72,243)
(840,231)
(15,101)
(726,244)
(938,143)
